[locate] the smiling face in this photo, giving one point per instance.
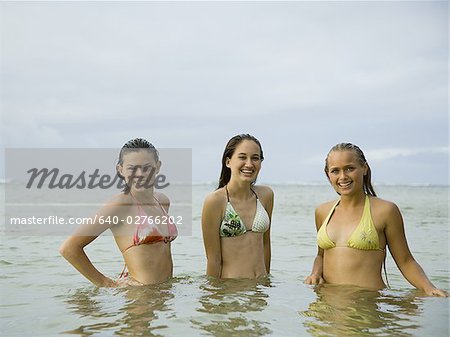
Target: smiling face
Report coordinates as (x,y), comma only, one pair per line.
(346,172)
(139,169)
(245,162)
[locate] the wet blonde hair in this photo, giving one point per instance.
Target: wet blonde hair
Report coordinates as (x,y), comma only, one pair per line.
(367,183)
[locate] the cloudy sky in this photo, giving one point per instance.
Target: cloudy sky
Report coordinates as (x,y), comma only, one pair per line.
(300,76)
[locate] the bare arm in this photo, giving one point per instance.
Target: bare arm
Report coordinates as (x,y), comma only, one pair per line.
(267,250)
(211,216)
(398,246)
(316,276)
(266,237)
(73,252)
(72,249)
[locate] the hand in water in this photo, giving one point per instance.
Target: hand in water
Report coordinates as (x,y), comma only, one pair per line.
(437,292)
(314,279)
(127,282)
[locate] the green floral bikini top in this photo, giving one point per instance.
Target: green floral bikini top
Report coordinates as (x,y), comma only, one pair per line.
(232,224)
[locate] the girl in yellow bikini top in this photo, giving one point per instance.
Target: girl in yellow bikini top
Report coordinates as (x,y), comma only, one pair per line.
(364,237)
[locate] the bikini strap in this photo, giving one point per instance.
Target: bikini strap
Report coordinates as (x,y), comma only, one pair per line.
(256,195)
(134,198)
(330,213)
(138,204)
(162,208)
(226,190)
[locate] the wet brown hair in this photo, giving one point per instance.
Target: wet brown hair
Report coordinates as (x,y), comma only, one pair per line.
(225,174)
(135,145)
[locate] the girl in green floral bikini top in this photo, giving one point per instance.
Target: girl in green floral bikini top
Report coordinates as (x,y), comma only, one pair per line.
(232,224)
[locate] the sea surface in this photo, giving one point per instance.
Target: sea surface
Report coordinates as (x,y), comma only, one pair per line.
(42,295)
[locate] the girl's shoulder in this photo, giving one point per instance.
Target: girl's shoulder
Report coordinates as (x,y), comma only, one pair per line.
(216,198)
(265,195)
(162,198)
(326,206)
(322,212)
(381,203)
(263,191)
(383,207)
(214,205)
(118,204)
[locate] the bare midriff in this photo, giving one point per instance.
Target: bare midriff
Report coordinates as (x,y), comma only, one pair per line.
(149,263)
(243,256)
(344,265)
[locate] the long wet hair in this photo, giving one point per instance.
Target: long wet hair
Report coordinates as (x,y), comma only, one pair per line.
(225,174)
(134,145)
(367,183)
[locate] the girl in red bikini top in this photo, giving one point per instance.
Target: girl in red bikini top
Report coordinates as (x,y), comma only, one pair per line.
(149,232)
(138,160)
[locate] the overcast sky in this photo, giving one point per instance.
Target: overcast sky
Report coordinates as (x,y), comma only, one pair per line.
(300,76)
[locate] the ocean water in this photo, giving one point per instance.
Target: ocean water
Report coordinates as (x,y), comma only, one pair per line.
(42,295)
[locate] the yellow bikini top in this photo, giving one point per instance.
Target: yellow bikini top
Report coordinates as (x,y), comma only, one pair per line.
(364,237)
